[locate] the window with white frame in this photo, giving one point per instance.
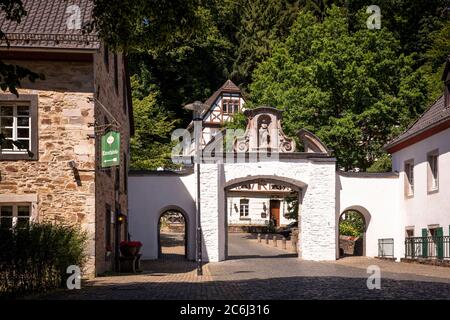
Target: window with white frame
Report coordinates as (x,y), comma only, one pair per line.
(230,105)
(409,181)
(243,208)
(15,127)
(14,215)
(433,170)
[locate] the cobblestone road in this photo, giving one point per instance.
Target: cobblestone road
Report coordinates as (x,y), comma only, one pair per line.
(259,271)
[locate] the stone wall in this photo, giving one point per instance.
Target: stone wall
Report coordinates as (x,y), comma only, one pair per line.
(65,110)
(110,108)
(317,239)
(75,101)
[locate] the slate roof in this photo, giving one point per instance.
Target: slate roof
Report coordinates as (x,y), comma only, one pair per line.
(45,26)
(228,86)
(433,116)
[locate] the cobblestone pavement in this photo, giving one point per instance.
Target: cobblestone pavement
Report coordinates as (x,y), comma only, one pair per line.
(259,271)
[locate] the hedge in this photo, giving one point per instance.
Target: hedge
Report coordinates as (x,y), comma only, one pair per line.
(35,258)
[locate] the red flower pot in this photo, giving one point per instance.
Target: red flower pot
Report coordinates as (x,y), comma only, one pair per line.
(130,248)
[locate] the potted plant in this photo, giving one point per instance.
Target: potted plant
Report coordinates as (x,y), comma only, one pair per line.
(130,248)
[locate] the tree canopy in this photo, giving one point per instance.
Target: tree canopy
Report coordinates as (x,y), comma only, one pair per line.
(316,59)
(354,89)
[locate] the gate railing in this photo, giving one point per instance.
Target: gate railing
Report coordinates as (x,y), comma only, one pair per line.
(427,247)
(386,248)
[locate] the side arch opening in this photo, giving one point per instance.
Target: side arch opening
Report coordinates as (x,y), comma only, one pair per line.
(352,228)
(173,233)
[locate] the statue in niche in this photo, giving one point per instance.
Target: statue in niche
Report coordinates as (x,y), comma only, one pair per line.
(264,135)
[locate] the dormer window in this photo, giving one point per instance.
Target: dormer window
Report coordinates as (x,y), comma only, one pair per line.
(230,104)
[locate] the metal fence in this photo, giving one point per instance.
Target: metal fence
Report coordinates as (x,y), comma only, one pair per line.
(427,247)
(386,248)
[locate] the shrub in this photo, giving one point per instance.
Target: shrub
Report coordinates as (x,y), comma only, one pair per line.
(35,258)
(353,224)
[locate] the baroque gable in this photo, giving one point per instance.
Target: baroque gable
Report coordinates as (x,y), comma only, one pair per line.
(264,132)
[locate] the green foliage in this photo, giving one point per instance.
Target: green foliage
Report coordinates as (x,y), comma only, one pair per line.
(239,121)
(292,207)
(155,24)
(151,145)
(411,21)
(347,229)
(189,66)
(382,164)
(355,90)
(35,258)
(353,225)
(261,24)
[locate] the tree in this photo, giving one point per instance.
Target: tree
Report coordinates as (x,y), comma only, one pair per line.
(353,225)
(189,66)
(355,90)
(150,145)
(262,23)
(292,206)
(11,74)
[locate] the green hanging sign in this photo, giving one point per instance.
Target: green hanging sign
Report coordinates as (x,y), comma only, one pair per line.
(110,149)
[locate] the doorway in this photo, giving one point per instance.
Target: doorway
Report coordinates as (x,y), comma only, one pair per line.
(352,234)
(172,236)
(275,212)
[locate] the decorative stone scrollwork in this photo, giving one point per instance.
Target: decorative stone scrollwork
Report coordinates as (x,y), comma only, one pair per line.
(241,145)
(264,132)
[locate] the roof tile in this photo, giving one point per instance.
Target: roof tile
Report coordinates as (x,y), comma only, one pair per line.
(45,26)
(434,115)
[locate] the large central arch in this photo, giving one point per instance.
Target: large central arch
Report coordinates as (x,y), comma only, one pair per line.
(292,183)
(313,176)
(298,187)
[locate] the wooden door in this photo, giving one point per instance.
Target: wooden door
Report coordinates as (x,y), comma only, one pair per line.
(275,211)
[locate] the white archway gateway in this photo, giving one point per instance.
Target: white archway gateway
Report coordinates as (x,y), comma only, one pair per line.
(264,155)
(313,176)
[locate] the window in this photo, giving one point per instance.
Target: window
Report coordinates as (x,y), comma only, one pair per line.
(18,127)
(15,124)
(433,173)
(230,105)
(14,215)
(243,208)
(409,181)
(409,233)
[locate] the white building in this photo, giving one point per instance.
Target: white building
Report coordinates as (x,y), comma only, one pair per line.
(406,212)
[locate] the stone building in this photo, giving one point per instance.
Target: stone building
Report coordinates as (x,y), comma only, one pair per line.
(50,158)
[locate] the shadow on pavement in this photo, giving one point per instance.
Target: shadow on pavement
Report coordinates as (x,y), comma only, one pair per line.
(241,257)
(320,288)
